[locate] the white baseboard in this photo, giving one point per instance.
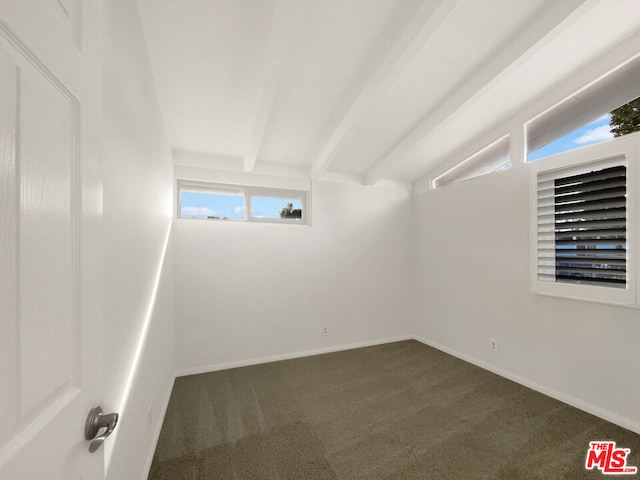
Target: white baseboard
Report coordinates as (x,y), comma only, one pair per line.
(550,392)
(156,433)
(288,356)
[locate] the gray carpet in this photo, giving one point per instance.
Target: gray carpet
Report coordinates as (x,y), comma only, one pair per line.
(396,411)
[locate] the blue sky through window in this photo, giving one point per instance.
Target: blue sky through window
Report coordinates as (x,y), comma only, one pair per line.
(211,205)
(594,132)
(266,207)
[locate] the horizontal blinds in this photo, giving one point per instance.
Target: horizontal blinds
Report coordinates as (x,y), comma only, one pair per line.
(489,159)
(582,227)
(613,91)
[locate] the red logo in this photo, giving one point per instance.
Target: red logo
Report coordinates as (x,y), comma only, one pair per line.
(609,459)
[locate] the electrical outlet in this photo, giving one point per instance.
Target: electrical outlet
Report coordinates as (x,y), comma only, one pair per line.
(493,344)
(325,331)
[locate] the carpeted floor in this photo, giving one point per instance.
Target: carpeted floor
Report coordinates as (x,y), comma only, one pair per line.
(396,411)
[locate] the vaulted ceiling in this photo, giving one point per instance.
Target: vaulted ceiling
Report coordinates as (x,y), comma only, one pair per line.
(371,89)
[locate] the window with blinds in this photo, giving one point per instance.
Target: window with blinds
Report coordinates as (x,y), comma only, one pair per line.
(582,225)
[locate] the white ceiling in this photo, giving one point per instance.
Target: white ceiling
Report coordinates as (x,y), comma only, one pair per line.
(370,88)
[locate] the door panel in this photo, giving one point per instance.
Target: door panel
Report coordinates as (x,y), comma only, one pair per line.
(48,24)
(8,249)
(48,249)
(50,287)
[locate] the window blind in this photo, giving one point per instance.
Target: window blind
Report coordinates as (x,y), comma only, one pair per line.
(582,226)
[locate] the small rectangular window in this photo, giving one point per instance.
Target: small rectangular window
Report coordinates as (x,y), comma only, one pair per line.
(273,207)
(492,158)
(594,132)
(220,203)
(204,200)
(607,108)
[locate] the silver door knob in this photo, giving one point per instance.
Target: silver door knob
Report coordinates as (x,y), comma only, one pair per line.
(96,420)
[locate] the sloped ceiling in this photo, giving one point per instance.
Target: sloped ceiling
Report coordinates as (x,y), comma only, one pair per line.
(368,88)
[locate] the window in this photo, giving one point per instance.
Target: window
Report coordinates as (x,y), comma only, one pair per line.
(582,227)
(275,207)
(594,132)
(204,200)
(585,118)
(492,158)
(583,224)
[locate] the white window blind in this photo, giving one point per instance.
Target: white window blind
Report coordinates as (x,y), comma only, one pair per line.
(582,224)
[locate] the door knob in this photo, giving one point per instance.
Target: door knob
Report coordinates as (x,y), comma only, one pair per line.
(96,420)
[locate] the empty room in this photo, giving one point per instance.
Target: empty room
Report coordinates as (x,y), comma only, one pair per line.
(319,240)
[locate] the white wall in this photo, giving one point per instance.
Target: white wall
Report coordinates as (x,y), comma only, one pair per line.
(473,285)
(138,178)
(246,291)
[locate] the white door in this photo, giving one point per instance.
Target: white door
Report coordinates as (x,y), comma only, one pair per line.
(50,201)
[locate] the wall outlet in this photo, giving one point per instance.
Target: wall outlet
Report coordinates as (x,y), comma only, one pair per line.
(325,331)
(493,345)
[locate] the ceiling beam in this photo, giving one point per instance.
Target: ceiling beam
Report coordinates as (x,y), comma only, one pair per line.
(284,30)
(515,51)
(380,74)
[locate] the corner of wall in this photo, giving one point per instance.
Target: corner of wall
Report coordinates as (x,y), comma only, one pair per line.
(138,275)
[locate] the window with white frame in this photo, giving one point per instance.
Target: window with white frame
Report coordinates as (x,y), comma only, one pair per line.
(607,108)
(205,200)
(492,158)
(584,222)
